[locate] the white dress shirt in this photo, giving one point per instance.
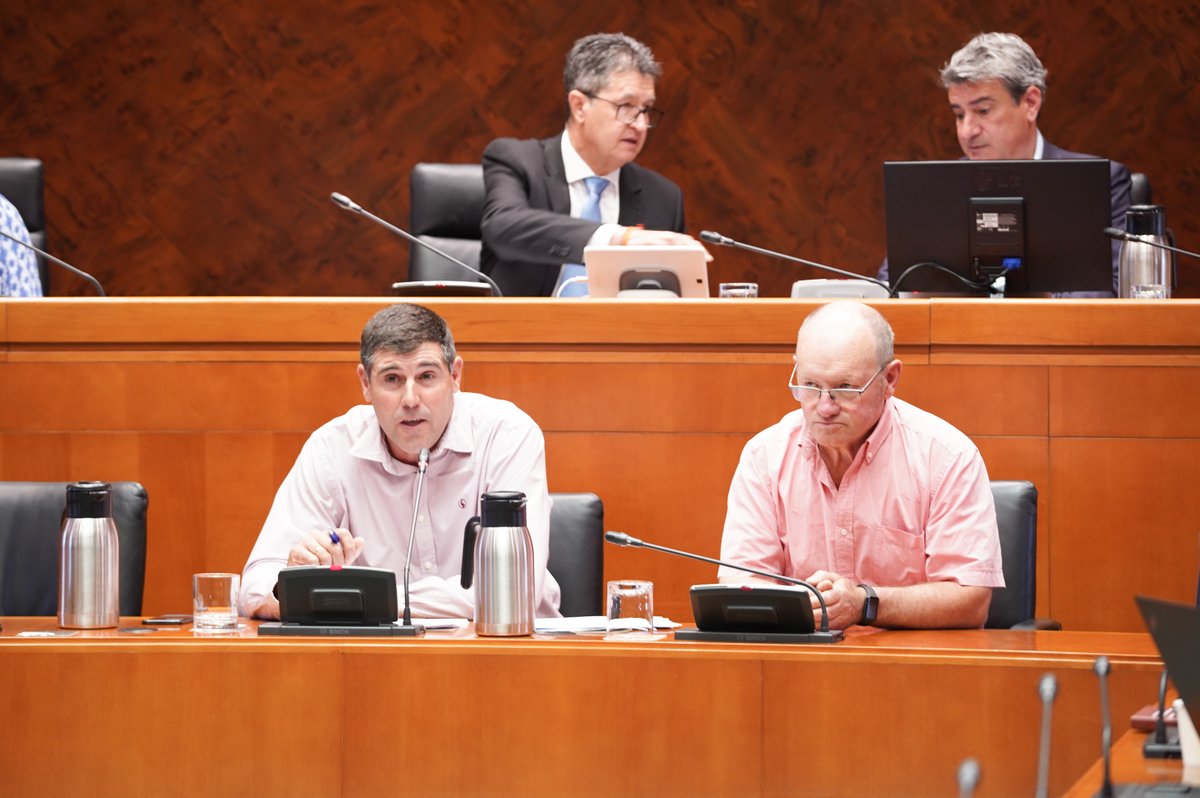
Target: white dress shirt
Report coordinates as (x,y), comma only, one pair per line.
(346,478)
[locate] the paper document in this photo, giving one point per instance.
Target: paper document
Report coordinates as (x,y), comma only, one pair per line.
(438,624)
(589,624)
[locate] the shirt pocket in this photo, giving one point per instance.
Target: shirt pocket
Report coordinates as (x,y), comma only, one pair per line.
(892,557)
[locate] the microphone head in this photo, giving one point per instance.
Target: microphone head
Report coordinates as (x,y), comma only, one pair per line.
(968,775)
(1101,666)
(423,459)
(621,539)
(345,202)
(715,238)
(1048,688)
(1113,232)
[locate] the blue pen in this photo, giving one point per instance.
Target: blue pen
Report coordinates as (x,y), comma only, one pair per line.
(334,536)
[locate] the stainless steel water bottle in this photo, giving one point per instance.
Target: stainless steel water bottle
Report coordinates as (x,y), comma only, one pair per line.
(1145,270)
(89,559)
(498,558)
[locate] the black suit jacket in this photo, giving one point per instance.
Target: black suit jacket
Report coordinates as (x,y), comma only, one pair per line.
(528,231)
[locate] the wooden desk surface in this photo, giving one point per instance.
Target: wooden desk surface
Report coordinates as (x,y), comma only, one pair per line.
(883,713)
(1129,766)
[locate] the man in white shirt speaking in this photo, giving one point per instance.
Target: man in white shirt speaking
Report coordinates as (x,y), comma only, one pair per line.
(349,497)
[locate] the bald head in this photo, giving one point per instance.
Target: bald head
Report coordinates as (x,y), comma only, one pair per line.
(842,326)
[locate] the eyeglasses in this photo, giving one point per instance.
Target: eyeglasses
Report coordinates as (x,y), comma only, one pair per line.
(842,397)
(628,114)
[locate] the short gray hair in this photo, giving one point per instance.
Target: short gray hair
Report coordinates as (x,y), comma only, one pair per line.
(401,329)
(996,56)
(593,60)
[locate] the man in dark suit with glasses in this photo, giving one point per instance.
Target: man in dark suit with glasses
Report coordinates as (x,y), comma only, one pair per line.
(547,199)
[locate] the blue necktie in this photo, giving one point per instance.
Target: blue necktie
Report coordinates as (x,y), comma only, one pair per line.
(591,212)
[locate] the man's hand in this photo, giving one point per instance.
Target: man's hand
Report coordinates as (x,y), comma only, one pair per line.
(326,547)
(843,599)
(636,236)
(929,605)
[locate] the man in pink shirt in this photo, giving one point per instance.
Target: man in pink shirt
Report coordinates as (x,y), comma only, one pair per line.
(349,497)
(885,508)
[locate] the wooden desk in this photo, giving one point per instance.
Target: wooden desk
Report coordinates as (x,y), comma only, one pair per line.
(648,404)
(884,713)
(1129,766)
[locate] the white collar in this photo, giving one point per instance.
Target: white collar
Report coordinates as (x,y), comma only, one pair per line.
(576,169)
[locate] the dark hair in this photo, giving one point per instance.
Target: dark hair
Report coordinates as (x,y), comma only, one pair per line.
(402,328)
(593,59)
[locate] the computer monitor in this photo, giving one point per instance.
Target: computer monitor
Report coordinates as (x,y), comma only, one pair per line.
(1040,224)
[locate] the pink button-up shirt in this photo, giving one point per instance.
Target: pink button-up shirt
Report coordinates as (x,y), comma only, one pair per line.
(345,477)
(915,506)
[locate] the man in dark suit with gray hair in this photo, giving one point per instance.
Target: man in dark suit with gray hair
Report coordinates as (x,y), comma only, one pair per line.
(547,199)
(996,85)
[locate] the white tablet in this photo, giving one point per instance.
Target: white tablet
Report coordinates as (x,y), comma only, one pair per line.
(646,272)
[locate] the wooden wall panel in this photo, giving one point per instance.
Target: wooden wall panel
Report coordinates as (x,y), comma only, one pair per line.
(980,400)
(1125,522)
(130,723)
(191,148)
(666,711)
(981,714)
(1125,402)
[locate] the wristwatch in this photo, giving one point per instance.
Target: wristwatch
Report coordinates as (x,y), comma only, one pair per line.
(870,607)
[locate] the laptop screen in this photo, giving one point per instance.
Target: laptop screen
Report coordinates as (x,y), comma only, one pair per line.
(1176,631)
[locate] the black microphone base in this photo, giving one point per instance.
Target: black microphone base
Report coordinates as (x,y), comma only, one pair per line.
(1166,750)
(1148,790)
(333,630)
(760,637)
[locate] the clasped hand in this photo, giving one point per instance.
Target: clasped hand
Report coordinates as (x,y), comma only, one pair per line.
(843,599)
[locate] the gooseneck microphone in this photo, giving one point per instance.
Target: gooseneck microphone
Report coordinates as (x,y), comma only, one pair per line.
(1102,668)
(1121,235)
(63,263)
(1162,744)
(407,628)
(725,241)
(342,201)
(1047,690)
(621,539)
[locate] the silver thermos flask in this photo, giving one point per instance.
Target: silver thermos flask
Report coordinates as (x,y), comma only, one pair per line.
(88,559)
(498,558)
(1145,271)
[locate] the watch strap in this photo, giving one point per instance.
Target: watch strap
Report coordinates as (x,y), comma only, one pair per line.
(870,610)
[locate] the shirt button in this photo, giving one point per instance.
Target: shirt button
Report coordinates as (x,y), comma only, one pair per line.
(420,518)
(428,566)
(843,532)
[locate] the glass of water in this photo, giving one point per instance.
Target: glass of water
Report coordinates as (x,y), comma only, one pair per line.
(214,603)
(737,290)
(630,608)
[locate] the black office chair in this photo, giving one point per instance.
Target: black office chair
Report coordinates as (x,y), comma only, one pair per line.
(21,182)
(30,521)
(1139,189)
(577,552)
(1013,605)
(447,211)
